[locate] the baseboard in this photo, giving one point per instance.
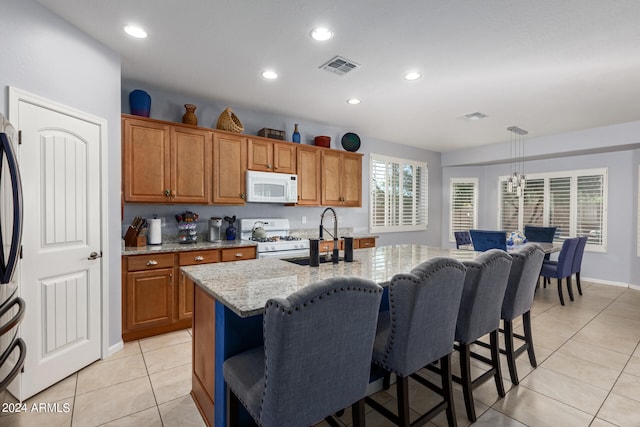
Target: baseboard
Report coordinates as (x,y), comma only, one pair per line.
(607,282)
(636,287)
(114,348)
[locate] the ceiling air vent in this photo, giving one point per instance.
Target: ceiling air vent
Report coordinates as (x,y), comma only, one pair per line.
(340,65)
(474,116)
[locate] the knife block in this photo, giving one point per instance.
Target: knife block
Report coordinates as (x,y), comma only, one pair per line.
(132,239)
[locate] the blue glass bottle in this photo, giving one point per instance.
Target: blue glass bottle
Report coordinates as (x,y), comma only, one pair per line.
(296,134)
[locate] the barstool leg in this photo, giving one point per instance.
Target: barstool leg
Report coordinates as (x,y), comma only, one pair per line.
(402,387)
(528,335)
(560,291)
(357,414)
(511,356)
(447,389)
(495,357)
(465,375)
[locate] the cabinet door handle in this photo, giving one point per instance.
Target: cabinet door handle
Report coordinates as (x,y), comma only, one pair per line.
(242,196)
(239,255)
(199,258)
(152,262)
(268,166)
(167,193)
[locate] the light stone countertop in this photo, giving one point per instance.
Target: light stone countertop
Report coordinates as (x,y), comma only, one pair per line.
(245,286)
(178,247)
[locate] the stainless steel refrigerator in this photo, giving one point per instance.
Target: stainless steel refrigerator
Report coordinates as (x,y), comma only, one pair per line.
(12,307)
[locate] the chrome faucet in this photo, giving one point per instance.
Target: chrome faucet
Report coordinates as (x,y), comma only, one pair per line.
(334,255)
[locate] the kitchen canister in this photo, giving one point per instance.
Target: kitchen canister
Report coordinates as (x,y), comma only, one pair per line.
(155,232)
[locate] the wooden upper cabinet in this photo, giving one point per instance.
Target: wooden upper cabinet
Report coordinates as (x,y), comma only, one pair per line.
(146,166)
(190,165)
(284,157)
(308,167)
(268,156)
(162,163)
(229,167)
(341,178)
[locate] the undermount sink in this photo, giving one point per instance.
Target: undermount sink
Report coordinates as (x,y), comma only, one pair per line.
(305,260)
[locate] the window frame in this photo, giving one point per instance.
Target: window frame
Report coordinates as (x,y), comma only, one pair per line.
(386,227)
(452,182)
(573,202)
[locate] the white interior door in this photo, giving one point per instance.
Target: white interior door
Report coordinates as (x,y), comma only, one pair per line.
(60,279)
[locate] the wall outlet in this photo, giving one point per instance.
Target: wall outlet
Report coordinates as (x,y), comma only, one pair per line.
(304,219)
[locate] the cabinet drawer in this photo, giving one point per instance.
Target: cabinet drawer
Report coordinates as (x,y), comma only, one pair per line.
(149,262)
(369,242)
(198,257)
(237,254)
(326,245)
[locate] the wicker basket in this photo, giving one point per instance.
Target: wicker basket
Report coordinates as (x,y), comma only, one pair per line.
(229,121)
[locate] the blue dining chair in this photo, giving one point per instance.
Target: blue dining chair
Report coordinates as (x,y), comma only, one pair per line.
(483,240)
(535,233)
(563,267)
(462,238)
(577,260)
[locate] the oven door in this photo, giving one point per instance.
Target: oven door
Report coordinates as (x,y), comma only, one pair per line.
(284,254)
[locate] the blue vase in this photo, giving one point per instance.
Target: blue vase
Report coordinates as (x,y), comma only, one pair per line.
(231,232)
(140,103)
(296,134)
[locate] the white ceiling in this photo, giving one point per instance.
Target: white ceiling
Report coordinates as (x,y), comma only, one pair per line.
(547,66)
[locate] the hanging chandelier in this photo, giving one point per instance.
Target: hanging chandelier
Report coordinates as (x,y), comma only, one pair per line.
(517,181)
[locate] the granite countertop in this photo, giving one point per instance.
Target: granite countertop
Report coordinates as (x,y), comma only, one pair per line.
(245,286)
(177,247)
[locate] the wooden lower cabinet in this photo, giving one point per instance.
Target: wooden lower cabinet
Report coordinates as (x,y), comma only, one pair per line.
(203,352)
(157,297)
(364,242)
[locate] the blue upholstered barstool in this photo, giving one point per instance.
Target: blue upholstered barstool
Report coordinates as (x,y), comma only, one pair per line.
(563,267)
(518,299)
(417,330)
(316,357)
(462,238)
(484,289)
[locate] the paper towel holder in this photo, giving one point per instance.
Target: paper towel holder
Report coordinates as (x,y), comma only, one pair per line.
(155,231)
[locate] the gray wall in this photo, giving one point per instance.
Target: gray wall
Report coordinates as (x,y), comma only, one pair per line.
(44,55)
(620,263)
(168,105)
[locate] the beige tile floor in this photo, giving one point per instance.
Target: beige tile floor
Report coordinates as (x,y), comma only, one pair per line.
(588,375)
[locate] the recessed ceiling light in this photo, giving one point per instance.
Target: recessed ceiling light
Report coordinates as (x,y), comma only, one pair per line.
(135,31)
(413,75)
(271,75)
(353,101)
(321,34)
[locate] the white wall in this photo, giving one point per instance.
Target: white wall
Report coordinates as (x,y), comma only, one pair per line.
(619,265)
(168,105)
(46,56)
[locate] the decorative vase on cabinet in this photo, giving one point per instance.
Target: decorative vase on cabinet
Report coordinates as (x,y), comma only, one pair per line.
(296,134)
(140,103)
(189,117)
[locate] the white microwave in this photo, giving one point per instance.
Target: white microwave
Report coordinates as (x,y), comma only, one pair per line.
(271,187)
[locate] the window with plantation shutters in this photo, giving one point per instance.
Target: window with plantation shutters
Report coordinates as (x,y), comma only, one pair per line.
(463,212)
(398,194)
(575,202)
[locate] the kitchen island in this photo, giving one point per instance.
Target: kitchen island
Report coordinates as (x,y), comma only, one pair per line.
(229,300)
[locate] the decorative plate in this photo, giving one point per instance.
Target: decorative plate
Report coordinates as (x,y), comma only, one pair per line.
(350,141)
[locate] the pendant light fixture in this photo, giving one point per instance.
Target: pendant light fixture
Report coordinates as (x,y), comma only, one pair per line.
(517,181)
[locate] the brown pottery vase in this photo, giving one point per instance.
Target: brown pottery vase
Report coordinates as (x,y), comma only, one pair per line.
(189,117)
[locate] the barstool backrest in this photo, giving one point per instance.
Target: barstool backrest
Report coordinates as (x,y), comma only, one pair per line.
(484,287)
(315,339)
(523,278)
(424,306)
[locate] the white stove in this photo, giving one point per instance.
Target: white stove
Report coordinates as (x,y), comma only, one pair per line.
(277,243)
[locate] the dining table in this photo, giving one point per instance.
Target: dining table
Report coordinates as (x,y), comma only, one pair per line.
(547,248)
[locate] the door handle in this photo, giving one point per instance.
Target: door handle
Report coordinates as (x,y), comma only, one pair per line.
(94,255)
